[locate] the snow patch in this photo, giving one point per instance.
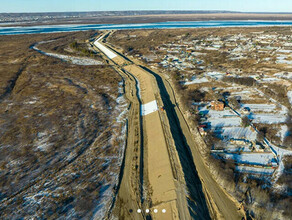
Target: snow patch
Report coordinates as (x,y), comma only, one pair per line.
(83,61)
(149,108)
(251,158)
(105,50)
(289,95)
(255,170)
(200,80)
(75,60)
(283,132)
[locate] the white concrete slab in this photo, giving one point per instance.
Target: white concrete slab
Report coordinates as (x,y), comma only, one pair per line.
(149,108)
(105,50)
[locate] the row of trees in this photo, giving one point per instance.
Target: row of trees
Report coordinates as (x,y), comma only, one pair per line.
(246,81)
(82,48)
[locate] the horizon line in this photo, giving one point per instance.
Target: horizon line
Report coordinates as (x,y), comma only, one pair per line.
(153,10)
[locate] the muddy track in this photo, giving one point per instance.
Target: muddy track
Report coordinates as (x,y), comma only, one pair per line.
(127,76)
(129,192)
(121,174)
(141,143)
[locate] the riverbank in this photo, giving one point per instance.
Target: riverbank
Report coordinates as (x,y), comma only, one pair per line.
(16,30)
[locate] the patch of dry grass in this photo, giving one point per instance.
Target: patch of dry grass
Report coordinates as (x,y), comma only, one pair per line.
(57,129)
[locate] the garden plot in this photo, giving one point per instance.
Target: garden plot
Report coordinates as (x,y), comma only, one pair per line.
(216,114)
(266,113)
(269,79)
(215,75)
(255,170)
(219,119)
(267,118)
(284,75)
(260,107)
(235,148)
(196,80)
(260,159)
(244,94)
(238,133)
(224,122)
(282,61)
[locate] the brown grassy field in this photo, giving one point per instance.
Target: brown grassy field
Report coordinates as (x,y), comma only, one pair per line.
(59,146)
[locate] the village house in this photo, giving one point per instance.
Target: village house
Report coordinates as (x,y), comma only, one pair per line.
(217,106)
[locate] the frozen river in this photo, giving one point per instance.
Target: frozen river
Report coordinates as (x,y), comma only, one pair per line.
(160,25)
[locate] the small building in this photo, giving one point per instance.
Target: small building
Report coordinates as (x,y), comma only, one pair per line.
(202,131)
(217,106)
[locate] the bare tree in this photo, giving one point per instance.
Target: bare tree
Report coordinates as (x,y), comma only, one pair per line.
(234,103)
(245,121)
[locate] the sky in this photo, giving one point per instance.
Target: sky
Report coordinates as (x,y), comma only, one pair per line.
(122,5)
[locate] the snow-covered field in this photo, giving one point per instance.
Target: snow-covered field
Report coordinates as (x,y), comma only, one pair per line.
(282,61)
(255,170)
(284,75)
(218,119)
(244,94)
(269,79)
(267,113)
(260,107)
(262,159)
(225,122)
(215,75)
(268,118)
(238,133)
(217,114)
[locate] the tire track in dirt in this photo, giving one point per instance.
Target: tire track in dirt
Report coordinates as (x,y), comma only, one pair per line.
(128,197)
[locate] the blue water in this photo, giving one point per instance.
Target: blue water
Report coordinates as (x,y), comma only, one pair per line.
(160,25)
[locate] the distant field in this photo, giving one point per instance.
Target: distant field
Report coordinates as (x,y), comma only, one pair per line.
(147,18)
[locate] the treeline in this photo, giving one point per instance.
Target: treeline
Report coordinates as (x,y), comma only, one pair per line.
(82,49)
(246,81)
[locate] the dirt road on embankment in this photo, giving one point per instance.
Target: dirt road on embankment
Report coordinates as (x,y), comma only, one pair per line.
(163,169)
